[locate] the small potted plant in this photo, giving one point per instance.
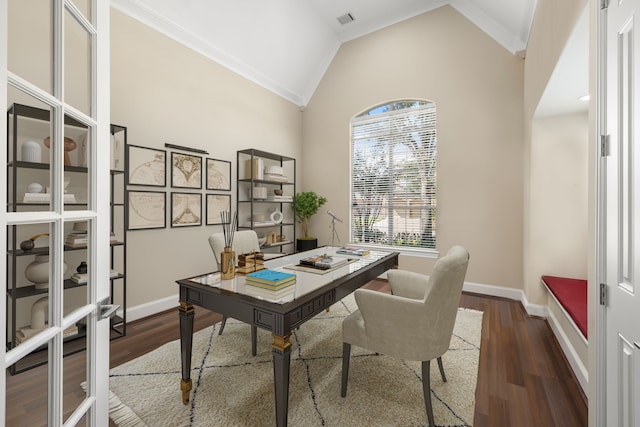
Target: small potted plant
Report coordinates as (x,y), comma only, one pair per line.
(307,204)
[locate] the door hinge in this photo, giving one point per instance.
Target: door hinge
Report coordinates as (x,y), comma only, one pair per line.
(604,145)
(604,4)
(603,294)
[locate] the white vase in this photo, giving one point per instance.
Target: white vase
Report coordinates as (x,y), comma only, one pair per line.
(38,271)
(34,187)
(31,152)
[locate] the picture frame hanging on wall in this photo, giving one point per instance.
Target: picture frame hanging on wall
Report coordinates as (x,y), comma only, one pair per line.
(217,203)
(146,166)
(186,209)
(186,171)
(146,210)
(218,175)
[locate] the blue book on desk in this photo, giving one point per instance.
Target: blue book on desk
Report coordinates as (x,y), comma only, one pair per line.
(270,277)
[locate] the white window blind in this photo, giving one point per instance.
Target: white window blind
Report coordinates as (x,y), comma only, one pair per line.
(393,175)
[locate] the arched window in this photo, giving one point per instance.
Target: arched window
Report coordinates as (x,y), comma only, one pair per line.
(393,175)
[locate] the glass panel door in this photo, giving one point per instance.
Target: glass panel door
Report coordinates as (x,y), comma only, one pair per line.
(56,228)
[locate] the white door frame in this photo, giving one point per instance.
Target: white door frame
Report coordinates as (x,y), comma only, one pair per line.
(95,405)
(617,377)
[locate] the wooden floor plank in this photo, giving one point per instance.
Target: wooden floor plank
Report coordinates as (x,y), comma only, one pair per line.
(523,377)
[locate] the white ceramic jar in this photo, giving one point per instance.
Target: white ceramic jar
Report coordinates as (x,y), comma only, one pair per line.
(31,152)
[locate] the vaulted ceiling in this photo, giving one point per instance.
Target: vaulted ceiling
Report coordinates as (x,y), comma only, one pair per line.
(287,45)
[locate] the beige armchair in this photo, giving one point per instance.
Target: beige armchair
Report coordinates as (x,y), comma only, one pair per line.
(414,323)
(244,242)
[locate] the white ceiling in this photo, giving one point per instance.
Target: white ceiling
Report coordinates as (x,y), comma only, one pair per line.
(287,45)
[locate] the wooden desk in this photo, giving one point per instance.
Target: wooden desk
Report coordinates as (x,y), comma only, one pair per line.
(312,294)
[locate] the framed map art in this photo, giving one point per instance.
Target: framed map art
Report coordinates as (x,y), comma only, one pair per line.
(186,171)
(218,175)
(147,210)
(146,166)
(217,203)
(186,209)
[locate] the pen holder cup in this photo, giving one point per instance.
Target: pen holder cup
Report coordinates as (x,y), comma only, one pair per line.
(227,264)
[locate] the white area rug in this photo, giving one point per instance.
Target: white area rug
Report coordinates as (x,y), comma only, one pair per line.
(232,388)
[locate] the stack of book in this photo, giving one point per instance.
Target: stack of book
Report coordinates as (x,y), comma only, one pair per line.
(276,198)
(323,263)
(45,198)
(76,239)
(353,251)
(251,262)
(271,279)
(82,278)
(270,295)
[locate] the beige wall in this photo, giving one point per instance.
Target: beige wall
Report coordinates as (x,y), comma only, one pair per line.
(552,25)
(558,212)
(163,93)
(166,93)
(477,87)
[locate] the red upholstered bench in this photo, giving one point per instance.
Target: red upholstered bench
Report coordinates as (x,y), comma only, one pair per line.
(572,296)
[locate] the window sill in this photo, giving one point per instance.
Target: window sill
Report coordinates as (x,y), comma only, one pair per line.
(403,250)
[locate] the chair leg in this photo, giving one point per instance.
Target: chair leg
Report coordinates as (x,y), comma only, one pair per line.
(224,322)
(444,377)
(254,340)
(426,389)
(346,353)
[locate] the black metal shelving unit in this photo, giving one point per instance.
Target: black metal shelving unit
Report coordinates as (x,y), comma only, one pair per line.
(16,288)
(248,206)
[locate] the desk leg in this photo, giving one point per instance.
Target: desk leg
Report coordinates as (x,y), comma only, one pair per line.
(281,365)
(186,314)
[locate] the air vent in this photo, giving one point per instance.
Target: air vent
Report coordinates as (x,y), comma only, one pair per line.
(346,18)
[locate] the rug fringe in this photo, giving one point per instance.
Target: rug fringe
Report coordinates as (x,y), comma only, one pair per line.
(120,414)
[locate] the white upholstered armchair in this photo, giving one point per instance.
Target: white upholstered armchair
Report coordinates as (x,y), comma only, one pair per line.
(244,242)
(415,322)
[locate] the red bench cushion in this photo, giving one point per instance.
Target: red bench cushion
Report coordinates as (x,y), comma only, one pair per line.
(572,295)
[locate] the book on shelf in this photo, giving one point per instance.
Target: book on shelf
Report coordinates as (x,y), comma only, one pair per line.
(45,198)
(276,198)
(353,250)
(275,177)
(323,262)
(75,245)
(82,278)
(76,240)
(271,279)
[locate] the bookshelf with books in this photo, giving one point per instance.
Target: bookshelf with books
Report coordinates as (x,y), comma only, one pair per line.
(265,198)
(28,246)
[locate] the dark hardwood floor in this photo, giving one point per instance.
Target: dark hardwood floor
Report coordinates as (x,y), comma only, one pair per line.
(523,377)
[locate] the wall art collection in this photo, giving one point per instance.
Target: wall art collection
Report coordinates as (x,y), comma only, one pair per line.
(147,167)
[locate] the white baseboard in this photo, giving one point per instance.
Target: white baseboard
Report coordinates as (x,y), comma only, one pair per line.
(511,293)
(579,370)
(151,308)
